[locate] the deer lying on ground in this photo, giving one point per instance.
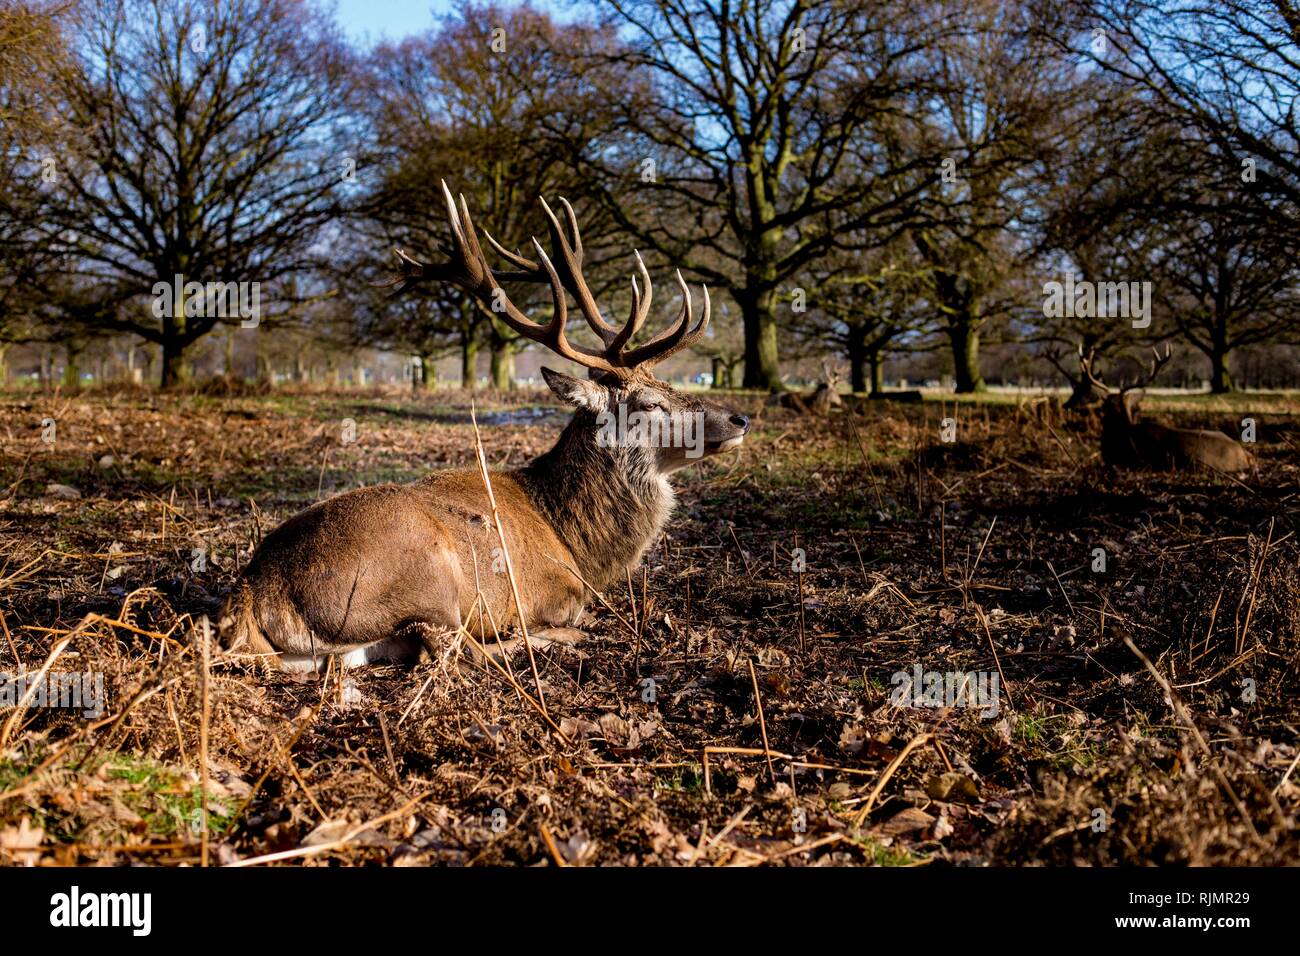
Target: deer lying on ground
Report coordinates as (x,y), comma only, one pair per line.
(820,401)
(379,573)
(1128,443)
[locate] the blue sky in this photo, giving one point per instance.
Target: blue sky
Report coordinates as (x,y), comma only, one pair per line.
(376,20)
(388,19)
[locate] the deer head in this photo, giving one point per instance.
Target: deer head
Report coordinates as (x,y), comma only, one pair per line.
(1120,408)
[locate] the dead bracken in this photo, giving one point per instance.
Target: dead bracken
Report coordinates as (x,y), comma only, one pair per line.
(731,707)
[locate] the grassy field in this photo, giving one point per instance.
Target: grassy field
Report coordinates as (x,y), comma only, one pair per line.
(729,710)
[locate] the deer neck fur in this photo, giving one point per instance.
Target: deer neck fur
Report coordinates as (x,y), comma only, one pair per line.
(606,504)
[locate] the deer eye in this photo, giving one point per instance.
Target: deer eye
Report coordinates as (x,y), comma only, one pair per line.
(652,405)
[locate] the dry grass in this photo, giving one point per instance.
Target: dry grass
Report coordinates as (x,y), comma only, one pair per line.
(973,556)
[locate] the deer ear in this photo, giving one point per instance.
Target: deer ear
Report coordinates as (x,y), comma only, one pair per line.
(574,391)
(1132,399)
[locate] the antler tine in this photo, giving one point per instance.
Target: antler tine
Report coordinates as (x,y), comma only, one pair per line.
(1159,362)
(476,276)
(640,308)
(572,262)
(471,251)
(409,272)
(462,225)
(1085,365)
(552,335)
(515,259)
(696,333)
(677,337)
(574,233)
(453,217)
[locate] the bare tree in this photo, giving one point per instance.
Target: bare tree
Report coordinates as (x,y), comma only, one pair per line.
(213,145)
(753,153)
(866,305)
(33,46)
(474,101)
(1004,110)
(1228,68)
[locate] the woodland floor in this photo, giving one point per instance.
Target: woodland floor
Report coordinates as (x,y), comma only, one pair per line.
(975,555)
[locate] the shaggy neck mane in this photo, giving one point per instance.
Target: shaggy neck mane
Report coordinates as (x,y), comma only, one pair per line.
(606,504)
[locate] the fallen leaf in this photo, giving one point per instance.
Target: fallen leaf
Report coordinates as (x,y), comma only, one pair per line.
(906,821)
(22,843)
(952,786)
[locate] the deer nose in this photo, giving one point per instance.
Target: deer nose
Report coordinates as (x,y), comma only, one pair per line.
(740,421)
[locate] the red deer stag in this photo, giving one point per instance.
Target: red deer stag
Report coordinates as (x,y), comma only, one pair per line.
(379,573)
(1128,443)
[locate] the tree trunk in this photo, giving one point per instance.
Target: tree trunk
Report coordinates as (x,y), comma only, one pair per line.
(428,373)
(175,369)
(965,338)
(1220,377)
(503,368)
(762,361)
(729,371)
(468,361)
(719,374)
(71,368)
(857,359)
(4,367)
(875,360)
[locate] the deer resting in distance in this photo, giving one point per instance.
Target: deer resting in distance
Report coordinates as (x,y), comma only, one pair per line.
(1128,443)
(378,573)
(820,401)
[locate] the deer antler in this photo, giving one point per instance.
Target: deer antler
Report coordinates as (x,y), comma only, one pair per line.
(472,273)
(1158,362)
(1085,365)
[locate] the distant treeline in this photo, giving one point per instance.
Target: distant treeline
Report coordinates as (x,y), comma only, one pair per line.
(969,192)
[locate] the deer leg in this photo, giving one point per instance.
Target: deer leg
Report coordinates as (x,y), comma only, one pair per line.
(540,639)
(430,639)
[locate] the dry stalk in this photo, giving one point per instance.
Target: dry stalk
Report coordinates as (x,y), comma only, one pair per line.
(510,568)
(33,684)
(890,770)
(762,722)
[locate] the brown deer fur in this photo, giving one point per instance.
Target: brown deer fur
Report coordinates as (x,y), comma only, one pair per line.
(1128,443)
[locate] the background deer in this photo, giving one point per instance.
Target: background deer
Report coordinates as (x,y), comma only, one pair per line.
(1128,443)
(374,573)
(822,400)
(1086,392)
